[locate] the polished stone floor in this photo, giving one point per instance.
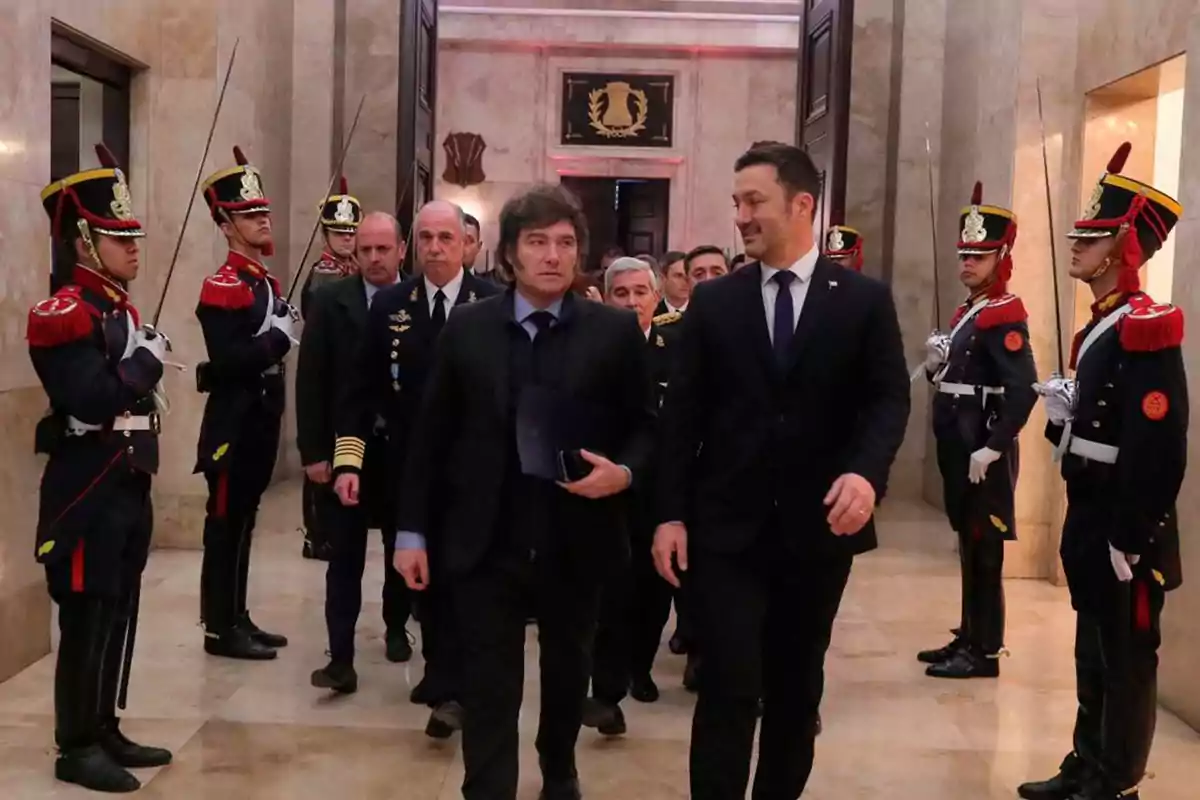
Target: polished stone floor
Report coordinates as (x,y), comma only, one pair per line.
(260,732)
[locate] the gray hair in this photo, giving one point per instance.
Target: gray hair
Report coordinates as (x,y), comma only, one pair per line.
(628,264)
(458,212)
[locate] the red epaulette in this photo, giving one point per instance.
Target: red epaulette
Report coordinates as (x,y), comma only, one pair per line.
(327,267)
(1004,310)
(226,289)
(1151,326)
(65,317)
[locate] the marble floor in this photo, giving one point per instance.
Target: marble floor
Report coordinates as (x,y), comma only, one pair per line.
(260,732)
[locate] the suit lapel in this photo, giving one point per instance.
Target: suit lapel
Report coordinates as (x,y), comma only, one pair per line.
(354,299)
(755,316)
(469,292)
(822,283)
(497,346)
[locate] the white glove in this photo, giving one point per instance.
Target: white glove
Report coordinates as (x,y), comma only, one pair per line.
(286,324)
(155,342)
(981,459)
(1060,394)
(1122,563)
(937,351)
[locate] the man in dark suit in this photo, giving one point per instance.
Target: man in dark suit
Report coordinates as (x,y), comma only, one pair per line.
(537,416)
(378,401)
(674,285)
(333,333)
(782,420)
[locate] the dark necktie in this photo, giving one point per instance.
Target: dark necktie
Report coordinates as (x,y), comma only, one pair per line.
(438,317)
(785,321)
(542,320)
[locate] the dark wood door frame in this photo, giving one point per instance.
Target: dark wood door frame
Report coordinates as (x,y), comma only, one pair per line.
(417,106)
(823,96)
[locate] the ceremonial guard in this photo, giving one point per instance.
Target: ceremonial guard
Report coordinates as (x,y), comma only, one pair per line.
(982,373)
(248,330)
(341,215)
(1120,429)
(845,246)
(100,368)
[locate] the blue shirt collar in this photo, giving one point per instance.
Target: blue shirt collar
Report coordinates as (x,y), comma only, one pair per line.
(522,308)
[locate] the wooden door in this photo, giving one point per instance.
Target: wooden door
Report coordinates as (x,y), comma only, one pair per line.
(644,206)
(823,97)
(597,198)
(417,107)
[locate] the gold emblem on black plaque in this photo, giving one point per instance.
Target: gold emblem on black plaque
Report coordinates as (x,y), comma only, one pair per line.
(617,110)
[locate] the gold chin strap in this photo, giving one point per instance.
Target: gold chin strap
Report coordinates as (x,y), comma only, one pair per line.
(236,233)
(85,233)
(1118,241)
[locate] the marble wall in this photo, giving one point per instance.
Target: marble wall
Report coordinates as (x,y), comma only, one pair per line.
(510,96)
(181,49)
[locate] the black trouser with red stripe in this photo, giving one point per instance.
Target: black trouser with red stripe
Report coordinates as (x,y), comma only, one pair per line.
(96,590)
(235,489)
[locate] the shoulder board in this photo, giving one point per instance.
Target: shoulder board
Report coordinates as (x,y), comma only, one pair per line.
(226,289)
(1004,310)
(65,317)
(669,318)
(1152,327)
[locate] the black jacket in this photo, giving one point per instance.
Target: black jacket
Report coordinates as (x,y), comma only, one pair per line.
(744,444)
(381,388)
(459,453)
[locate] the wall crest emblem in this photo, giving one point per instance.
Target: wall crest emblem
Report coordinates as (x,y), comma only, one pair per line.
(609,111)
(464,159)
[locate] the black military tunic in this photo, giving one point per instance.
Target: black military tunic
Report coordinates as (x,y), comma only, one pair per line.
(95,517)
(239,433)
(983,398)
(376,405)
(1123,459)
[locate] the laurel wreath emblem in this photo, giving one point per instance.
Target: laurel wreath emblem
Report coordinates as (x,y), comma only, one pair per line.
(595,108)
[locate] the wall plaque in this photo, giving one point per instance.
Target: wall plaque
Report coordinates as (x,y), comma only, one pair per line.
(606,110)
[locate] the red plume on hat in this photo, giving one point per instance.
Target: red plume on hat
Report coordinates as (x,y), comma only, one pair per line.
(239,156)
(343,187)
(977,193)
(1117,162)
(107,159)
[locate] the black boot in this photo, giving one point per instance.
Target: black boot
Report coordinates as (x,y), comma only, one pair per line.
(422,694)
(237,643)
(93,768)
(129,754)
(607,718)
(966,664)
(559,784)
(643,689)
(445,720)
(941,654)
(1072,774)
(274,640)
(337,676)
(399,648)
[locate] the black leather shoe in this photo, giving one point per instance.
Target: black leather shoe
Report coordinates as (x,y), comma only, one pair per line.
(336,676)
(607,718)
(315,552)
(236,643)
(275,640)
(941,654)
(130,754)
(965,664)
(421,694)
(561,790)
(93,768)
(644,689)
(691,673)
(677,644)
(399,648)
(1069,781)
(445,720)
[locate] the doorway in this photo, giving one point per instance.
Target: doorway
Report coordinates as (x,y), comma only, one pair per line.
(90,97)
(629,213)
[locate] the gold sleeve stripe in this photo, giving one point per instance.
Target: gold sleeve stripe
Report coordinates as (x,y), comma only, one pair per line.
(349,451)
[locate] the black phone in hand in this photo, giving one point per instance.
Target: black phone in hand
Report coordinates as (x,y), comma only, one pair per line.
(572,466)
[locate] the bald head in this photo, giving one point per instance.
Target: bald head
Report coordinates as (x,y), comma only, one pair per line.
(380,248)
(439,229)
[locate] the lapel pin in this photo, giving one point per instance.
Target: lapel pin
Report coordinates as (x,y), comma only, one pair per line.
(833,284)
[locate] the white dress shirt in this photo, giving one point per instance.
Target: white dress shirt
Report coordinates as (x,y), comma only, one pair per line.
(451,291)
(372,290)
(803,270)
(671,308)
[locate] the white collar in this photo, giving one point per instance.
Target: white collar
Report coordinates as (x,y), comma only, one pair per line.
(670,307)
(451,289)
(802,268)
